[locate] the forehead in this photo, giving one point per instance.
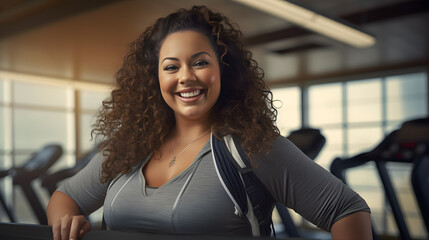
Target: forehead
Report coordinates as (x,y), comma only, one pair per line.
(183,43)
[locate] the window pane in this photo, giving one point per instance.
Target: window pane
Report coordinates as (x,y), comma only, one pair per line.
(333,147)
(2,130)
(325,104)
(406,96)
(42,95)
(91,100)
(5,129)
(34,129)
(364,101)
(361,139)
(86,122)
(289,108)
(2,91)
(327,155)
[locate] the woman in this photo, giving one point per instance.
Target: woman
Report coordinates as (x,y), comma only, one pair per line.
(186,77)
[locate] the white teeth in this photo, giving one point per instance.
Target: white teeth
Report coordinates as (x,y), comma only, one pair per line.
(190,94)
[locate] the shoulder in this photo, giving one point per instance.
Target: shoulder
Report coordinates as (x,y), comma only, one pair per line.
(99,158)
(281,148)
(97,161)
(284,158)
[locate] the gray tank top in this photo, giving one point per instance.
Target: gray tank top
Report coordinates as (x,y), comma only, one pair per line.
(195,202)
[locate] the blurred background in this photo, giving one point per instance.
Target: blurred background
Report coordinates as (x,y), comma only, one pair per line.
(58,59)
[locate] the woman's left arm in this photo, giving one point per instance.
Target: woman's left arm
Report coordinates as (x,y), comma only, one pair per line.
(356,226)
(310,190)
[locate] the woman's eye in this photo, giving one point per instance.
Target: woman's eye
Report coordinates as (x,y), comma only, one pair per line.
(170,68)
(200,63)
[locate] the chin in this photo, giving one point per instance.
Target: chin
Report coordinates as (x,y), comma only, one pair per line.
(194,116)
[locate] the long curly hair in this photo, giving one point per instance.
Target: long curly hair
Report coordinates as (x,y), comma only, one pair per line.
(135,120)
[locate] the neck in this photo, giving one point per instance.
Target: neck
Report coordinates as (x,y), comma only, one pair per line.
(184,134)
(189,128)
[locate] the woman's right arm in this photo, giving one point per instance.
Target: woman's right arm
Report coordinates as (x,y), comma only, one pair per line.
(76,198)
(65,218)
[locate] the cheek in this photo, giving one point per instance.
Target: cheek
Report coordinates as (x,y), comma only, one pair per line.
(212,78)
(165,83)
(215,82)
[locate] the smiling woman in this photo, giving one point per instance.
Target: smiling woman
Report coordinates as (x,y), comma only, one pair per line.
(187,88)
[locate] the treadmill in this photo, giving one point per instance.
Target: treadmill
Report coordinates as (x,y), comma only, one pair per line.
(408,144)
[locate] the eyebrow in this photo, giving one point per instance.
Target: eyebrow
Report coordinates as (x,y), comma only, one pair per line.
(192,57)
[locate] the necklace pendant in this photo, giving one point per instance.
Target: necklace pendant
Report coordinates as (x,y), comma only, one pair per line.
(173,161)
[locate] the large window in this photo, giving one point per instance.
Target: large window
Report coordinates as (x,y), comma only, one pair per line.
(34,113)
(354,116)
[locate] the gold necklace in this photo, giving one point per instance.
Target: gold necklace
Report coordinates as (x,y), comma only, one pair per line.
(173,160)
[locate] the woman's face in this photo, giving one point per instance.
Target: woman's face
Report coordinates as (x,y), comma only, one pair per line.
(189,75)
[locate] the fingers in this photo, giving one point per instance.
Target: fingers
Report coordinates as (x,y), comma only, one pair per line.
(61,228)
(79,226)
(85,228)
(70,227)
(56,230)
(65,227)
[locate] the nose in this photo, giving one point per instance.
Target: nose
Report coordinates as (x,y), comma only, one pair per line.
(186,75)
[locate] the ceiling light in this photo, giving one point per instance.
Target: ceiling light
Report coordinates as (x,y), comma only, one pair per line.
(312,21)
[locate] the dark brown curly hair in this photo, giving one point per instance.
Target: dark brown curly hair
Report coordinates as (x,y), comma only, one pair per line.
(135,120)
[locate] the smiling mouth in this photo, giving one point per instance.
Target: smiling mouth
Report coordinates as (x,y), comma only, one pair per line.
(191,94)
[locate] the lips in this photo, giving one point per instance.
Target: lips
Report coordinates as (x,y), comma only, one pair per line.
(190,94)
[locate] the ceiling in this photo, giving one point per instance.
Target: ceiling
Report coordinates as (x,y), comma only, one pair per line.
(287,53)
